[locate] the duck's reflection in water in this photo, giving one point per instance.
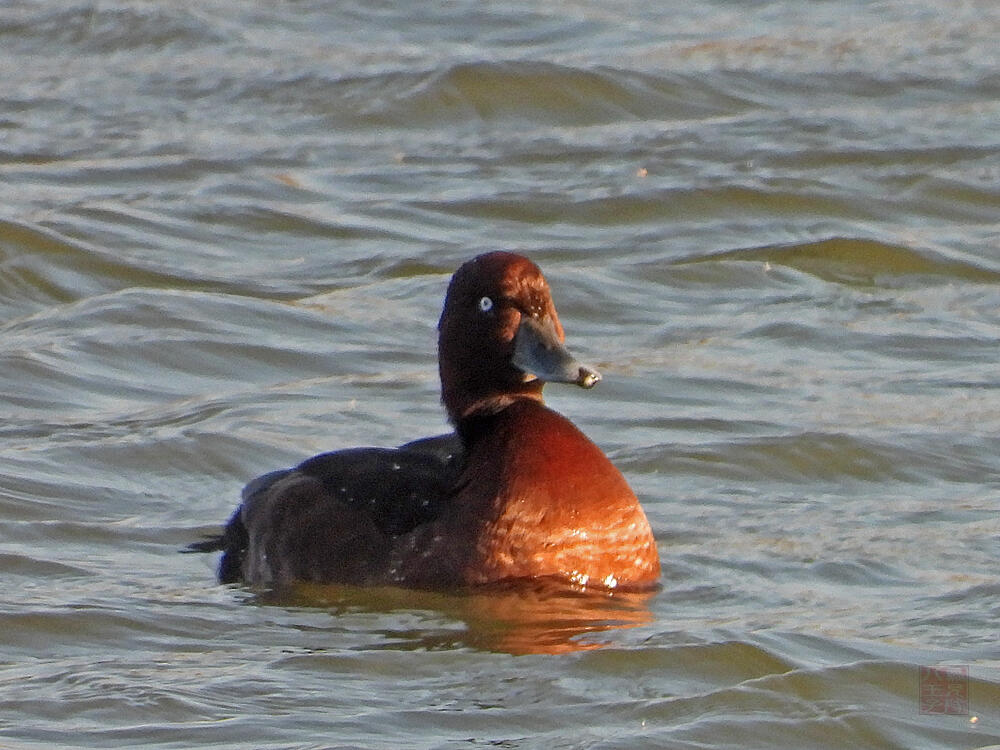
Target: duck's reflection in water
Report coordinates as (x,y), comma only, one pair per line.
(536,617)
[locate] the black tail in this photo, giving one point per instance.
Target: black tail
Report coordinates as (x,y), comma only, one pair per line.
(208,544)
(232,542)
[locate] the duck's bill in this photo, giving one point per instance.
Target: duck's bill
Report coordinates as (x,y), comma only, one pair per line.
(539,353)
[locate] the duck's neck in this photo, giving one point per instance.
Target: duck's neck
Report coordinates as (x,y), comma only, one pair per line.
(481,416)
(475,382)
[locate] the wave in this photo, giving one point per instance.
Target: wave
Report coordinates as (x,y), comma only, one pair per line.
(42,266)
(807,458)
(557,94)
(544,93)
(90,28)
(859,261)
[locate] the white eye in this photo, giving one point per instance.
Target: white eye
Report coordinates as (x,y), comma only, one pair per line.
(485,304)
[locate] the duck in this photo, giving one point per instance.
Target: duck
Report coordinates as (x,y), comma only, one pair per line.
(516,493)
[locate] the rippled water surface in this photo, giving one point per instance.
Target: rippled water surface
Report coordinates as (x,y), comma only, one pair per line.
(224,241)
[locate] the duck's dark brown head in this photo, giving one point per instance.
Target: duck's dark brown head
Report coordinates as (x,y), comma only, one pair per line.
(499,337)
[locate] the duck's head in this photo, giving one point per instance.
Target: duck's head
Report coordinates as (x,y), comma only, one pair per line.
(499,338)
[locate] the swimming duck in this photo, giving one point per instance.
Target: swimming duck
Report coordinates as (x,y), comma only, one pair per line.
(516,492)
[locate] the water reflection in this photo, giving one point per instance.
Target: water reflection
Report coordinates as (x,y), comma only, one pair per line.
(539,617)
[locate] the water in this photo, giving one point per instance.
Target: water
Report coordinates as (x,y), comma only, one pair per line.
(224,241)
